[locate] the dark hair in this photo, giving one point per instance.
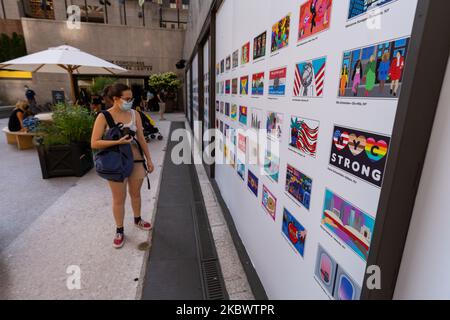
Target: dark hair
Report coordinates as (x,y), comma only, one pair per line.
(96,101)
(105,92)
(116,90)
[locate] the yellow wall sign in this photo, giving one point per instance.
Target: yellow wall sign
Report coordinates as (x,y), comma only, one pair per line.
(15,75)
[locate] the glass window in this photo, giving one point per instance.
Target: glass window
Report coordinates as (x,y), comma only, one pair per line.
(356,55)
(39,9)
(92,13)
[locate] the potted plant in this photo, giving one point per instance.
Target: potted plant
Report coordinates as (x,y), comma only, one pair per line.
(64,147)
(168,82)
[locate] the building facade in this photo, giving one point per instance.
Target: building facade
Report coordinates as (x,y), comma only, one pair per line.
(171,14)
(144,40)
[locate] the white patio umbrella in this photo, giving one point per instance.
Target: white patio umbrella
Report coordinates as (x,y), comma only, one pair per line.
(63,59)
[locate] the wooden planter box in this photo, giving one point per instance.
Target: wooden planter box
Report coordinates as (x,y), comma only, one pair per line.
(65,161)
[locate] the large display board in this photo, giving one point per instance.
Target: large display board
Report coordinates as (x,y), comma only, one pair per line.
(323,77)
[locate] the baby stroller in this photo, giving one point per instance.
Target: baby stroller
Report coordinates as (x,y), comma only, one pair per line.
(150,130)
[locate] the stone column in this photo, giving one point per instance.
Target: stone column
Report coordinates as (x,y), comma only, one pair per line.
(59,8)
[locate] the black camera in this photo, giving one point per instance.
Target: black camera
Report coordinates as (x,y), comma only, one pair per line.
(128,132)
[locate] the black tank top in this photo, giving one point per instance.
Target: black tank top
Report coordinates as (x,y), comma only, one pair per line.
(14,122)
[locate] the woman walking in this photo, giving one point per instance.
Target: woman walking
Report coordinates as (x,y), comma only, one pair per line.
(121,112)
(344,80)
(396,72)
(383,70)
(371,75)
(162,104)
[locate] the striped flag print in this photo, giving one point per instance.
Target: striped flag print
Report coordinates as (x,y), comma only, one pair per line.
(320,79)
(297,81)
(341,139)
(316,85)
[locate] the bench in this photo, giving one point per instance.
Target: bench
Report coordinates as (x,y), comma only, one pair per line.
(23,140)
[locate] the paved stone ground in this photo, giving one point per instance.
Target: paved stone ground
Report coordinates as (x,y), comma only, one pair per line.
(24,195)
(47,226)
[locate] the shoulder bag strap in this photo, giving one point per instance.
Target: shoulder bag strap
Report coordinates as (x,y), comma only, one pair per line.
(144,162)
(109,119)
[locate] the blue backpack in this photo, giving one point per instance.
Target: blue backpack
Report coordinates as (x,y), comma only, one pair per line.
(31,124)
(115,163)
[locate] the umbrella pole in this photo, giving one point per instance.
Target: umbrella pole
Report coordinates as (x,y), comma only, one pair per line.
(72,86)
(70,70)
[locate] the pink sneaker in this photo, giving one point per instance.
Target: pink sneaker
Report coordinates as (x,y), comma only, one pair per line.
(144,225)
(119,241)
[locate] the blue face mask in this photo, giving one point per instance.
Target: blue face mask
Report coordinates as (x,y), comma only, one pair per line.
(127,106)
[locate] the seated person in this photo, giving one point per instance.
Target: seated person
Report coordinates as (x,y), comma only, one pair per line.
(15,123)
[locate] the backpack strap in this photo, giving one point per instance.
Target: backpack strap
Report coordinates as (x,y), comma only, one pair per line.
(109,119)
(144,162)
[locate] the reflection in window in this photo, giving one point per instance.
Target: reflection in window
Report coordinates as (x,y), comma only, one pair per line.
(39,9)
(92,13)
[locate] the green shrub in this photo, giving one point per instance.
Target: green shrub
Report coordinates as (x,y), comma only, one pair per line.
(71,124)
(165,81)
(12,47)
(99,84)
